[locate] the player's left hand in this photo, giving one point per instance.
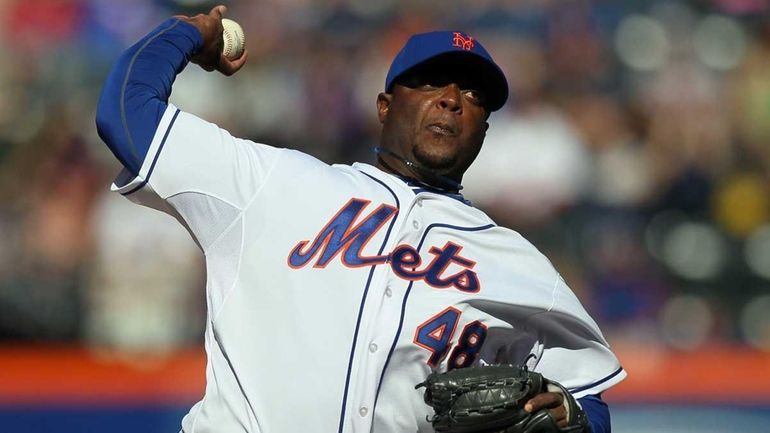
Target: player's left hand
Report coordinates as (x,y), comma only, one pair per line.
(552,401)
(210,57)
(486,398)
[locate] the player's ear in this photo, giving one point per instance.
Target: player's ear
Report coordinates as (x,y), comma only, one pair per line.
(383,105)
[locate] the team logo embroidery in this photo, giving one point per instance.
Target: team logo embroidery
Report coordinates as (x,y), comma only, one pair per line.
(462,41)
(347,233)
(340,235)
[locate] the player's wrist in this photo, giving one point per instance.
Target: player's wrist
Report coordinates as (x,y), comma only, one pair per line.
(577,419)
(192,34)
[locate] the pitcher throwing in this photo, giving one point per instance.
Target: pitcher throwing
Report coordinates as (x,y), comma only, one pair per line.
(334,289)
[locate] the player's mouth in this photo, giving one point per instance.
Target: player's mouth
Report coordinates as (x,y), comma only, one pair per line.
(441,128)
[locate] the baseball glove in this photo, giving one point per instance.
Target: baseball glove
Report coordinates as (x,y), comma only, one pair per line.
(491,399)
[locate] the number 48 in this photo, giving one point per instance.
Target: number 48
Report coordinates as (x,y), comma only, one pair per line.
(435,335)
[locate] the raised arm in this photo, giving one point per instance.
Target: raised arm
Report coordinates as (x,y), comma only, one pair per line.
(135,95)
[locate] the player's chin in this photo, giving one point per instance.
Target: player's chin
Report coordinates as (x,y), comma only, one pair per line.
(440,159)
(451,167)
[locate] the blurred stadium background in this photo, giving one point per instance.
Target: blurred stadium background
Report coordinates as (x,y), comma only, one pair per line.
(634,152)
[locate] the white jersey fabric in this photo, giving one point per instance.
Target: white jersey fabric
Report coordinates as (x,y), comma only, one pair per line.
(333,290)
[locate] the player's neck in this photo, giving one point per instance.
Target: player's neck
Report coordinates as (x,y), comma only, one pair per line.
(391,162)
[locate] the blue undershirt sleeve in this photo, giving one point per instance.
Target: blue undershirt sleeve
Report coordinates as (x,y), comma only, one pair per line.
(135,94)
(598,413)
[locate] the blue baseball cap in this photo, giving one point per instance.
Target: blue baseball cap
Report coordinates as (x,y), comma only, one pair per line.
(424,47)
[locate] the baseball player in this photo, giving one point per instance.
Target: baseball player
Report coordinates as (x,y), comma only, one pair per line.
(332,290)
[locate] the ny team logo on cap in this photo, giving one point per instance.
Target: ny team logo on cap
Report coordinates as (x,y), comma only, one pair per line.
(453,46)
(462,41)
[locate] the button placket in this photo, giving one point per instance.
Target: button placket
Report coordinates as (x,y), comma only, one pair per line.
(415,211)
(370,357)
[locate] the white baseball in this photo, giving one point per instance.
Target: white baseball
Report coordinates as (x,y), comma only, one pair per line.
(233,38)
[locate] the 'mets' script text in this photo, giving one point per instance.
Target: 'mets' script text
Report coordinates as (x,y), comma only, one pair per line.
(347,233)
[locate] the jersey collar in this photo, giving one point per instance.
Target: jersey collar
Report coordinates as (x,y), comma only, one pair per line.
(415,185)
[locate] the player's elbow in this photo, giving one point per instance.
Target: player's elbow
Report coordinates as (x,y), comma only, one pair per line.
(105,129)
(112,131)
(108,124)
(103,126)
(109,128)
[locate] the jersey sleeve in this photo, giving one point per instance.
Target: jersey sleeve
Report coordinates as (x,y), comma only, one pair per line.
(542,324)
(598,413)
(571,349)
(198,173)
(173,161)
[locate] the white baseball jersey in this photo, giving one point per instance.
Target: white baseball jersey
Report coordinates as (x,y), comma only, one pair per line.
(333,290)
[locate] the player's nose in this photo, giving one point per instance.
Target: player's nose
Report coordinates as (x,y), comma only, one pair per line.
(450,98)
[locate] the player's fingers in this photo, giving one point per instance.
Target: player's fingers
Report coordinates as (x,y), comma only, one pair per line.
(218,11)
(229,67)
(551,401)
(544,400)
(240,61)
(559,415)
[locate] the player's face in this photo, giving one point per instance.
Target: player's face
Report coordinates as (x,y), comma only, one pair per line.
(435,116)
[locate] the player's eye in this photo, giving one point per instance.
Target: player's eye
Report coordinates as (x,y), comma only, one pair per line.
(475,96)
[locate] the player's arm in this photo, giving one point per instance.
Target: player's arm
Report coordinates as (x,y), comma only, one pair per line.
(598,413)
(573,352)
(135,96)
(174,161)
(596,410)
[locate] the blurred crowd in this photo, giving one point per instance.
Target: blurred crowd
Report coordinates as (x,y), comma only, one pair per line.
(633,152)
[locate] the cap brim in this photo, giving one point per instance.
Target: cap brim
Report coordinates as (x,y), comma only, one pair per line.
(487,75)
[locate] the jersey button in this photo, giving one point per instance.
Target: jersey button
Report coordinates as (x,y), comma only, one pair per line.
(363,411)
(373,347)
(419,202)
(388,292)
(415,224)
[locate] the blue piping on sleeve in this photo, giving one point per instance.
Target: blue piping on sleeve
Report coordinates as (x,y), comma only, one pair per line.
(135,94)
(598,413)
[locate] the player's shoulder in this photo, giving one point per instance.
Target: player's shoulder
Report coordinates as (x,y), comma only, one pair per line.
(301,159)
(301,168)
(507,235)
(520,251)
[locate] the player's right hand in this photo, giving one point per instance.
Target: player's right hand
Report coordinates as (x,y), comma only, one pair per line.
(210,57)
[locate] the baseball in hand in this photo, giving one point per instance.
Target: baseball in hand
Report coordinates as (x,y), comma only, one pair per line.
(233,38)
